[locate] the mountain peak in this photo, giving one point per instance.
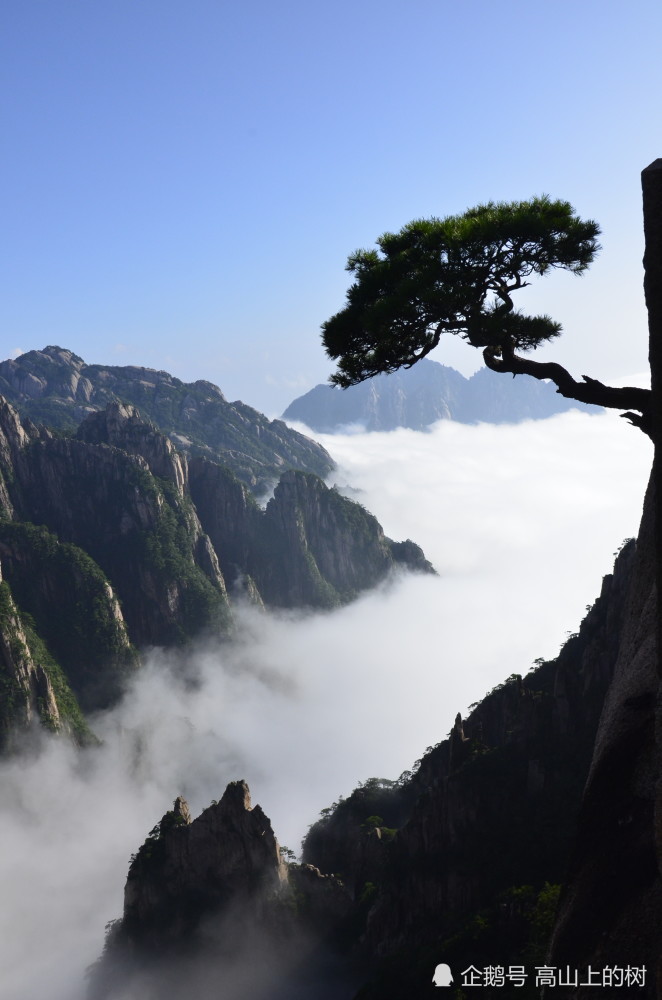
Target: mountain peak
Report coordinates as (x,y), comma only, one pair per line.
(420,396)
(56,387)
(62,354)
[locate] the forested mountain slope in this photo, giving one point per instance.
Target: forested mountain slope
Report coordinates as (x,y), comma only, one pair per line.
(56,387)
(111,540)
(460,861)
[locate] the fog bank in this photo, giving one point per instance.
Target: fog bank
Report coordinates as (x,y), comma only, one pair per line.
(520,522)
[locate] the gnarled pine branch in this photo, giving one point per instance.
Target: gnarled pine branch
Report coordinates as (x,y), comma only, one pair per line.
(590,390)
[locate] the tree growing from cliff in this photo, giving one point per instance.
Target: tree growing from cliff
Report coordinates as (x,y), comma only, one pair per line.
(457,275)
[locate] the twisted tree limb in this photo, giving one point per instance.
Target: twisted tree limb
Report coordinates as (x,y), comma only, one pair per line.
(589,390)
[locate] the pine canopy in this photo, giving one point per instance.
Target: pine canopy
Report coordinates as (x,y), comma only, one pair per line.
(456,275)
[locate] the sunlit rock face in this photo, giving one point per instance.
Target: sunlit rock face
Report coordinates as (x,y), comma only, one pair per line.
(122,426)
(56,387)
(113,540)
(144,537)
(27,689)
(74,609)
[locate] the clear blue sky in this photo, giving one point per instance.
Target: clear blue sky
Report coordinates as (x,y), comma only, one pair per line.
(183,181)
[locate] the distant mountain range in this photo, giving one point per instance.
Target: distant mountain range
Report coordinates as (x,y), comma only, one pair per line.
(419,396)
(113,539)
(57,388)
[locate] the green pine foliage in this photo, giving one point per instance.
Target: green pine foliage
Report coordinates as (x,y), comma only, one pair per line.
(167,552)
(80,627)
(12,694)
(454,275)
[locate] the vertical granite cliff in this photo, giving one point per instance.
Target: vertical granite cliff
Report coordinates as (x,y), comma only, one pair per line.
(211,907)
(611,907)
(113,541)
(33,690)
(459,861)
(476,842)
(310,547)
(56,387)
(73,607)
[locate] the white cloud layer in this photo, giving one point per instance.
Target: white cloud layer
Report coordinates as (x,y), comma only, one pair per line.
(521,523)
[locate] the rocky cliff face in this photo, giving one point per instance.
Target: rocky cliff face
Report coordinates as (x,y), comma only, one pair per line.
(199,893)
(33,690)
(112,539)
(27,692)
(485,826)
(610,909)
(460,861)
(186,869)
(56,387)
(310,547)
(74,608)
(325,547)
(419,396)
(144,535)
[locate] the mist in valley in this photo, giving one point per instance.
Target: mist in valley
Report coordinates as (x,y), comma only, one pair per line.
(520,522)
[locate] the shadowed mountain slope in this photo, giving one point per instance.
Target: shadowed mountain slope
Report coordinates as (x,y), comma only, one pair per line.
(460,861)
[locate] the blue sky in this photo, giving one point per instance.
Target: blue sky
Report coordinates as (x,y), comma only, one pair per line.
(183,183)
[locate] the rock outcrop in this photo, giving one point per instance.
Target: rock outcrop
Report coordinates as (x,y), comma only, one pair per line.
(186,869)
(480,835)
(74,609)
(610,909)
(33,691)
(419,396)
(326,547)
(143,534)
(56,387)
(214,893)
(460,861)
(114,540)
(310,547)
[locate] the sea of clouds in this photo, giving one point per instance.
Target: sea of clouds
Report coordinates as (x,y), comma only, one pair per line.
(521,523)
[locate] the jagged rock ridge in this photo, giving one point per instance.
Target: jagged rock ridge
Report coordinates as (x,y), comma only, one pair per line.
(56,387)
(432,866)
(203,892)
(419,396)
(111,539)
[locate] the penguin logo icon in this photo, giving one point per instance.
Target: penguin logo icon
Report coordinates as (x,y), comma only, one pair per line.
(442,975)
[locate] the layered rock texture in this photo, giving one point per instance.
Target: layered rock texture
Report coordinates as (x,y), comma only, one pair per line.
(611,908)
(214,894)
(112,540)
(188,868)
(482,832)
(427,392)
(56,387)
(462,860)
(33,689)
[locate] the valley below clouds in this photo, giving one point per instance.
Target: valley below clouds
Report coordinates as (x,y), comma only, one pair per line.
(520,522)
